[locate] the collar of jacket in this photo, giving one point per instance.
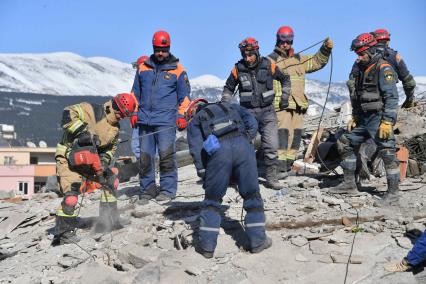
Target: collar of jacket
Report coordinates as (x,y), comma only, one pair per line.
(282,53)
(111,118)
(259,64)
(169,64)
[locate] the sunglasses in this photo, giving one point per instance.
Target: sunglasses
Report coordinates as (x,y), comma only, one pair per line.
(289,42)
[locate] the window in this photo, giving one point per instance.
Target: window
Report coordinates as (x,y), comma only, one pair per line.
(33,160)
(23,187)
(8,160)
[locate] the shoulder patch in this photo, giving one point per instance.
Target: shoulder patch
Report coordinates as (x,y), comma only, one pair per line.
(388,74)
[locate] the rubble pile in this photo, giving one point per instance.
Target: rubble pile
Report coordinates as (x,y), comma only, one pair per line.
(312,233)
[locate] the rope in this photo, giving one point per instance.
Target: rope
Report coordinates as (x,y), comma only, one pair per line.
(352,246)
(148,134)
(78,214)
(322,114)
(300,63)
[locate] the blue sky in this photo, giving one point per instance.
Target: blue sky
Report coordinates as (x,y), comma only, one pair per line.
(205,34)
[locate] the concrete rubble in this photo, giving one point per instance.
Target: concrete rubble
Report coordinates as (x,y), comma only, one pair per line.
(317,237)
(312,234)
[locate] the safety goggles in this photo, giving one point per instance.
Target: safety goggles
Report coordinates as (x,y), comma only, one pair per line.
(286,41)
(158,49)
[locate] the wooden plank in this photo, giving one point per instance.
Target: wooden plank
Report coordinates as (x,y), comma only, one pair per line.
(312,148)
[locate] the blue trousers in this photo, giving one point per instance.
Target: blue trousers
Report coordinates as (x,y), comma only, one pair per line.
(136,148)
(367,127)
(417,254)
(235,158)
(161,139)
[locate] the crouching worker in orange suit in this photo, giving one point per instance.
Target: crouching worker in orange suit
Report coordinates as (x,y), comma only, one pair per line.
(86,150)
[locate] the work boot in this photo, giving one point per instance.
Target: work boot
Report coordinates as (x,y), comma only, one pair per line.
(282,169)
(109,218)
(348,186)
(391,196)
(163,197)
(266,244)
(148,194)
(65,231)
(206,254)
(271,178)
(398,267)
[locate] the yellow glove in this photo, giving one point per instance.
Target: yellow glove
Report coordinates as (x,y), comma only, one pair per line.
(328,43)
(385,130)
(351,124)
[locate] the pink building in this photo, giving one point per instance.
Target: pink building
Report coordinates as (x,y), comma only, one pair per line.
(24,170)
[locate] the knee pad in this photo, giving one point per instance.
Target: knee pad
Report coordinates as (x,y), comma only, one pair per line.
(389,158)
(145,164)
(283,138)
(69,203)
(70,200)
(167,163)
(297,139)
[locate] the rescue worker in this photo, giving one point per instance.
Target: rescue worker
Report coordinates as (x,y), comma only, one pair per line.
(393,58)
(135,145)
(290,118)
(86,150)
(374,107)
(415,258)
(254,75)
(219,136)
(162,88)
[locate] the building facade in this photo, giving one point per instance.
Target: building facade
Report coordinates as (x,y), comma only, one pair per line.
(24,170)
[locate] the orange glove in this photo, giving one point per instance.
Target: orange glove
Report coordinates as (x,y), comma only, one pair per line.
(181,123)
(385,130)
(134,120)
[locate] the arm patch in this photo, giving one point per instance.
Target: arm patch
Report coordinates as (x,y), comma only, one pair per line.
(389,75)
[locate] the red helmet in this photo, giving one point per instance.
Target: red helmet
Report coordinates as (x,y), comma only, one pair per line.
(126,104)
(363,42)
(382,34)
(249,44)
(161,39)
(285,33)
(192,107)
(142,59)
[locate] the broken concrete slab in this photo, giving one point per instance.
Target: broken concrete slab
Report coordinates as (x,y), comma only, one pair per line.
(138,256)
(354,259)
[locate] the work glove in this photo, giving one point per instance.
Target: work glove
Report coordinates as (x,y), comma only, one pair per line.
(351,124)
(283,103)
(134,120)
(109,178)
(385,130)
(181,123)
(328,43)
(409,102)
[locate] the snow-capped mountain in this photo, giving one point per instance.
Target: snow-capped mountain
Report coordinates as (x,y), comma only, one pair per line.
(68,74)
